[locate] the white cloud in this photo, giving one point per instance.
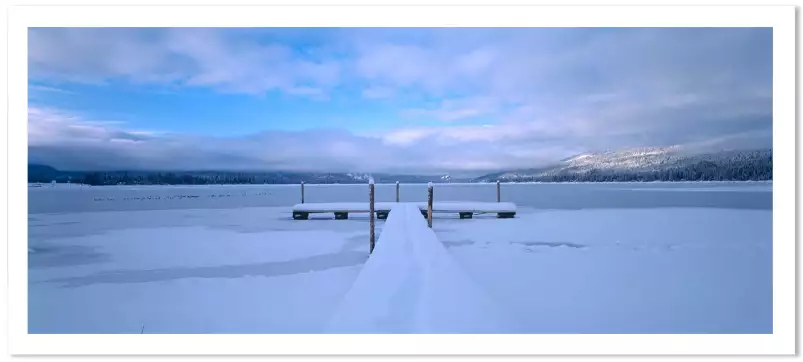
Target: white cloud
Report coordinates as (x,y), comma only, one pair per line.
(42,88)
(48,126)
(229,60)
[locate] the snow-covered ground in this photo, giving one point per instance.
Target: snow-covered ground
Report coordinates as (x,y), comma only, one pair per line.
(250,270)
(624,271)
(221,269)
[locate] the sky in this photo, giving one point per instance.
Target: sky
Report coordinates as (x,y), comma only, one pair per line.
(398,100)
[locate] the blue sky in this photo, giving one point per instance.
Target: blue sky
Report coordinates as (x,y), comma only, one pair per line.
(389,100)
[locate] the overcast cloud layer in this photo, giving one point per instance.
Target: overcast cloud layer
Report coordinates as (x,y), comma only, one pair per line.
(492,98)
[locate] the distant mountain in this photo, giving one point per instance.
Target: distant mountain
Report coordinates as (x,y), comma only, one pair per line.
(390,178)
(648,164)
(42,172)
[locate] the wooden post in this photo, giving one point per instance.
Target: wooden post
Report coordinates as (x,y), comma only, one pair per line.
(429,205)
(498,192)
(397,191)
(302,192)
(371,215)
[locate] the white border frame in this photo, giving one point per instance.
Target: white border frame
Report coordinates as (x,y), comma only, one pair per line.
(781,18)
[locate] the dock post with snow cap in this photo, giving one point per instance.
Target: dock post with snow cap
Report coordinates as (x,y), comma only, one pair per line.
(299,214)
(429,205)
(397,191)
(371,222)
(502,215)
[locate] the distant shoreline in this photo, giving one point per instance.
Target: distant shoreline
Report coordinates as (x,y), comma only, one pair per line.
(64,185)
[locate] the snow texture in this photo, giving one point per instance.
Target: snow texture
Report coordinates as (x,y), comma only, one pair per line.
(251,270)
(698,270)
(411,284)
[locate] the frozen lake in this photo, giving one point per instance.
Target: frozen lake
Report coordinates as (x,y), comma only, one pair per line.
(74,198)
(578,258)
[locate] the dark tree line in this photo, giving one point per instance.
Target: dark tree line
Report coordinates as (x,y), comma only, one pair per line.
(737,166)
(210,178)
(47,174)
(699,171)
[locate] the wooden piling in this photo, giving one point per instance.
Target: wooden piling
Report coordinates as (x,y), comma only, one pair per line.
(397,191)
(498,192)
(302,192)
(429,205)
(371,216)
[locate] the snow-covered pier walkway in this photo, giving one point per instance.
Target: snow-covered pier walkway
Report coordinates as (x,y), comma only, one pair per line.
(411,284)
(465,209)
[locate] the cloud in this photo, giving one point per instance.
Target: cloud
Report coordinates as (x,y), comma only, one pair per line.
(68,141)
(41,88)
(659,85)
(228,60)
(47,127)
(543,94)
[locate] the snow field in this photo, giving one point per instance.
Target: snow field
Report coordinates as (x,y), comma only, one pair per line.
(213,268)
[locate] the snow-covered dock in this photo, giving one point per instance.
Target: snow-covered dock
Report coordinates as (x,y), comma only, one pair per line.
(411,284)
(465,209)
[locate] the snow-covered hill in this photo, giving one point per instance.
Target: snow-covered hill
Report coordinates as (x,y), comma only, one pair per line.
(358,176)
(656,163)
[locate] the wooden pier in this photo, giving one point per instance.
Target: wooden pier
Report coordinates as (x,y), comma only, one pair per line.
(409,278)
(466,210)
